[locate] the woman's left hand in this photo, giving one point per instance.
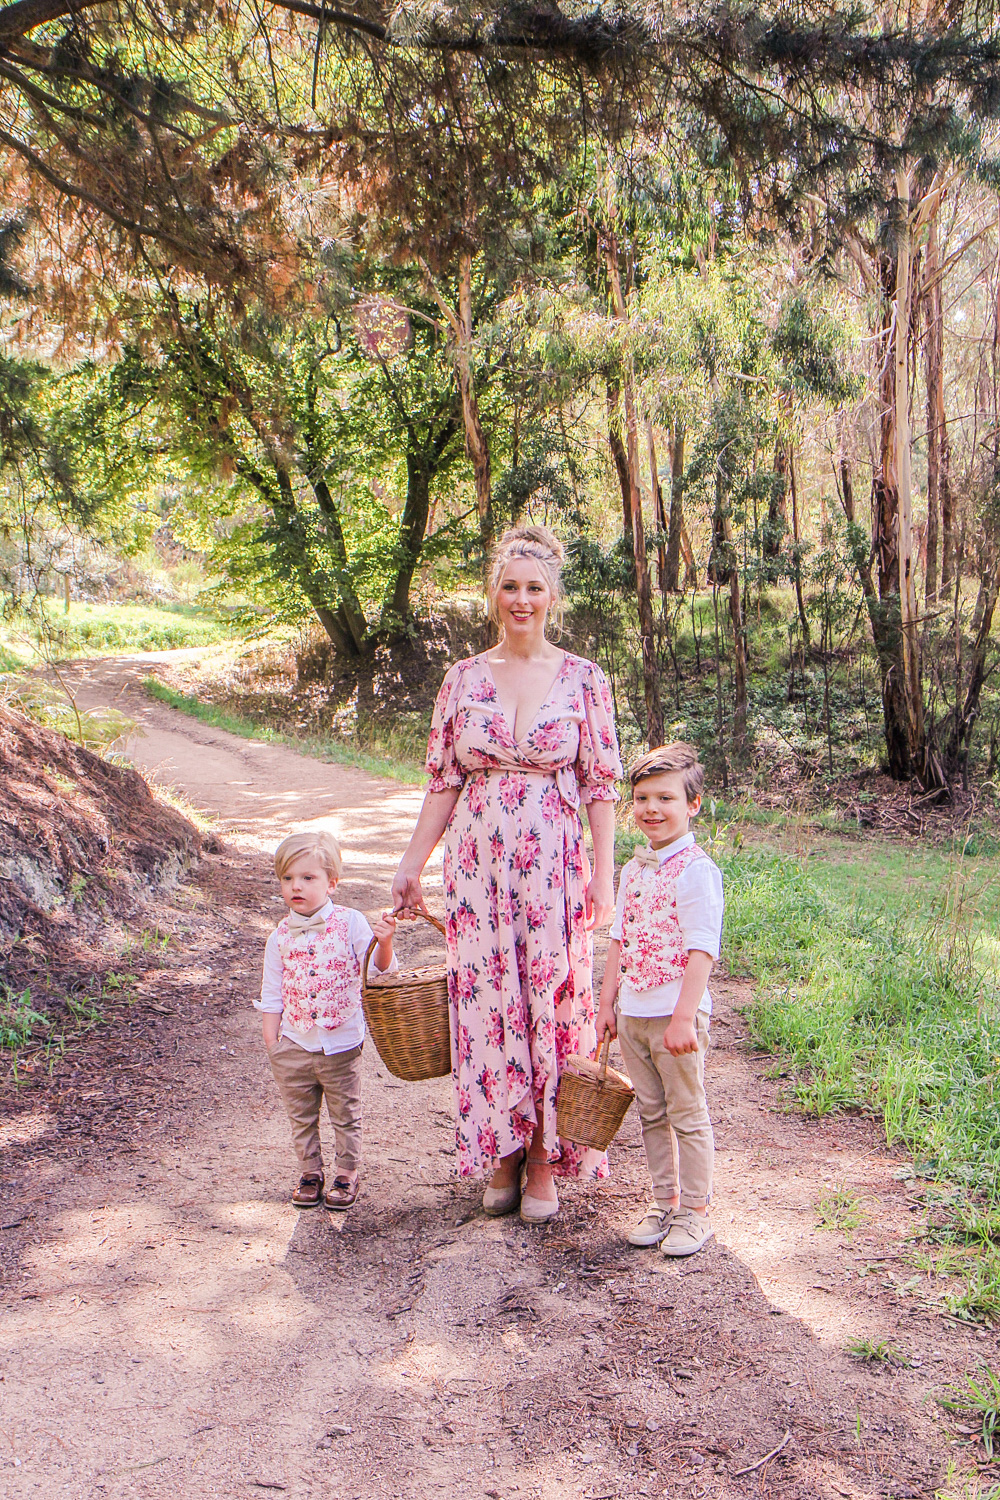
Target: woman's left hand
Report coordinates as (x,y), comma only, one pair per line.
(600,906)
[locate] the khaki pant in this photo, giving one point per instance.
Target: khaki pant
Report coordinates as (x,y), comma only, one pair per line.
(304,1079)
(670,1093)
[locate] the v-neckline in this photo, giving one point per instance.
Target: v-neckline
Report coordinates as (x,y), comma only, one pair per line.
(512,724)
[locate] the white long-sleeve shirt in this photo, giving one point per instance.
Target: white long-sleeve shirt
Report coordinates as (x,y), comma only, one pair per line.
(320,1038)
(700,907)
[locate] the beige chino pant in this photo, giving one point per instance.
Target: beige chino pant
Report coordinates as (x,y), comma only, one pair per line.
(304,1080)
(670,1093)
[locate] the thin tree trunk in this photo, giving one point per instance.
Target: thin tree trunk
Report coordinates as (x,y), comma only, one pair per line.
(909,614)
(934,381)
(777,503)
(676,528)
(476,444)
(620,460)
(690,565)
(643,585)
(803,618)
(659,515)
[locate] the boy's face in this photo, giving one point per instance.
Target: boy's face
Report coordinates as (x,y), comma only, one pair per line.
(661,808)
(305,885)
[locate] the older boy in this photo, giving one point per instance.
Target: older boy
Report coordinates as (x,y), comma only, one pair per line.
(665,940)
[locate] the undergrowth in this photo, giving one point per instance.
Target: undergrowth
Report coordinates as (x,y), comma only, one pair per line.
(381,751)
(872,1012)
(108,629)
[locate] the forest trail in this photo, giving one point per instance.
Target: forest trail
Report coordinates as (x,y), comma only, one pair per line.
(171,1327)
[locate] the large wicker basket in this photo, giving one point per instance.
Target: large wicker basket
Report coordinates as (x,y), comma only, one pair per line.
(407,1015)
(593,1100)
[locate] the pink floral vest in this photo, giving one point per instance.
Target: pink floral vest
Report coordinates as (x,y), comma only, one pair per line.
(651,951)
(320,985)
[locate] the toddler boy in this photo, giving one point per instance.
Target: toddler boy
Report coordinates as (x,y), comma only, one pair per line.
(314,1027)
(665,940)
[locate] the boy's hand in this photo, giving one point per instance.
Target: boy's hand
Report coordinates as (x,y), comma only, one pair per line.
(384,927)
(272,1028)
(680,1036)
(605,1021)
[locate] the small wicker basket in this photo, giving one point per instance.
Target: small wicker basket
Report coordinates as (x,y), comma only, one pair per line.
(593,1100)
(407,1015)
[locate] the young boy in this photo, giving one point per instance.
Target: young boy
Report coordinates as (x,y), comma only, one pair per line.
(314,1027)
(665,940)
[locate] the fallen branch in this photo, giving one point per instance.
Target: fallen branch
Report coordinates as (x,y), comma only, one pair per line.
(766,1459)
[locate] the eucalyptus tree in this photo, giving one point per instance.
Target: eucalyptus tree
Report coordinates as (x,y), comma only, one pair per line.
(311,450)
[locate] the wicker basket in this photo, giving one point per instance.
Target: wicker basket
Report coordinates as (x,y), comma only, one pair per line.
(407,1015)
(593,1100)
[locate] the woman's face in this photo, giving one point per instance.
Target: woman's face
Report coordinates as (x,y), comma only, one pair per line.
(523,599)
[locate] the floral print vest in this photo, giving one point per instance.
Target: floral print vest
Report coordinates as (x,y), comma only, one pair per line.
(320,985)
(651,940)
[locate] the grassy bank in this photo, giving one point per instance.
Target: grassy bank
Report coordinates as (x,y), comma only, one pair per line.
(889,1005)
(378,751)
(108,630)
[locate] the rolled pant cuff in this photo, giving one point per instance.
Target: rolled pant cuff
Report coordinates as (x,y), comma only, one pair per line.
(693,1200)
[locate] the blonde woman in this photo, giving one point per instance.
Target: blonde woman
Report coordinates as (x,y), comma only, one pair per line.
(523,736)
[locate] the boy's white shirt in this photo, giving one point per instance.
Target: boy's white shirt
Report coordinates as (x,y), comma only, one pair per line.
(700,906)
(320,1038)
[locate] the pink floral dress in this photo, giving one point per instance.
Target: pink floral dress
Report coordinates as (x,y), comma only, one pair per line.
(520,958)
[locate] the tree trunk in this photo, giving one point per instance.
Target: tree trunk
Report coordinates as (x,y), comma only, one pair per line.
(643,585)
(739,646)
(476,444)
(893,616)
(412,529)
(803,618)
(687,553)
(676,527)
(909,615)
(777,505)
(350,604)
(659,515)
(934,381)
(620,460)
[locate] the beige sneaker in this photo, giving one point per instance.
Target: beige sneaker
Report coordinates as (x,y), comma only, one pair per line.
(652,1227)
(687,1233)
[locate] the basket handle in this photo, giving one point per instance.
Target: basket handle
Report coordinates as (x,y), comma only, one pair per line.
(602,1069)
(374,944)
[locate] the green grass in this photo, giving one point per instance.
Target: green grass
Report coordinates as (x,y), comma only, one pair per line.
(109,630)
(381,752)
(880,1351)
(879,1003)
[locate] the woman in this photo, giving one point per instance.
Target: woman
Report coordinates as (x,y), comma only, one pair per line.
(522,735)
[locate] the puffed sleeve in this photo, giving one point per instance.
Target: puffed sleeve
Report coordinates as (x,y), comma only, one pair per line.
(442,765)
(598,763)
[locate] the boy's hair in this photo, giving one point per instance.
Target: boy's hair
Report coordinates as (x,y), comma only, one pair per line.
(667,759)
(323,846)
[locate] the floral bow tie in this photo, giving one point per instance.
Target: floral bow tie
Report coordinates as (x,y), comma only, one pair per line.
(315,923)
(647,857)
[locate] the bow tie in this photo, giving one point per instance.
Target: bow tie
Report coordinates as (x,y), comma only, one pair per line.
(647,857)
(315,923)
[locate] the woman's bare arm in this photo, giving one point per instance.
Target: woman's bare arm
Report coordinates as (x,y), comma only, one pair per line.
(431,824)
(601,890)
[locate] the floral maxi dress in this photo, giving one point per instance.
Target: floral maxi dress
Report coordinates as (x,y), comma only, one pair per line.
(520,957)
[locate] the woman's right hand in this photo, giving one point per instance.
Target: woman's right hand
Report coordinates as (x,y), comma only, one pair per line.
(407,894)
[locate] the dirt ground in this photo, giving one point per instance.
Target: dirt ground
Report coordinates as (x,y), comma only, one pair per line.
(171,1327)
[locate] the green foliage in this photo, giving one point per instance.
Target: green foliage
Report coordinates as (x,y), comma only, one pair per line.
(398,756)
(979,1397)
(110,629)
(18,1018)
(871,1012)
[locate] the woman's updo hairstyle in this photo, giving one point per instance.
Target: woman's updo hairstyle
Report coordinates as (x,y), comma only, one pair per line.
(544,548)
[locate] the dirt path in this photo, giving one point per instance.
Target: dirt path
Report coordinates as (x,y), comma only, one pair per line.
(170,1327)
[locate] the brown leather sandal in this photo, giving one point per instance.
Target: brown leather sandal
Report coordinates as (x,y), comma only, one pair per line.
(309,1193)
(342,1193)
